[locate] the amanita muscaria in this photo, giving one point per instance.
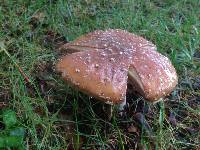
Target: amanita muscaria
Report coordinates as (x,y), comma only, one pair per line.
(101,63)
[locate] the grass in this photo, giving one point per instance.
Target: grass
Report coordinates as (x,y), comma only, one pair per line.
(57,117)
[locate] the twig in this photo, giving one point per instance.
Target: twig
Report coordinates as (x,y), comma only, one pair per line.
(15,63)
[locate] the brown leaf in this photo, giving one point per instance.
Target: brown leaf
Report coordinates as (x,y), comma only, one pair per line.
(133,129)
(3,105)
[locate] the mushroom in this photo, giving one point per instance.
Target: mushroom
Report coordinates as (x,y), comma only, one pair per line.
(102,62)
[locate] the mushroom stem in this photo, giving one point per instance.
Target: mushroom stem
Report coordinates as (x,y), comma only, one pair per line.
(160,99)
(122,105)
(108,111)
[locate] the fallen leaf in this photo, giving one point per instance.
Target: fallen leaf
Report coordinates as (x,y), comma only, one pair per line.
(133,129)
(3,105)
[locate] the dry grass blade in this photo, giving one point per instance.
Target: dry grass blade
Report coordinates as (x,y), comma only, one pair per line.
(3,49)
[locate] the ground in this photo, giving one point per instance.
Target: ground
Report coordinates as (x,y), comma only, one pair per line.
(55,116)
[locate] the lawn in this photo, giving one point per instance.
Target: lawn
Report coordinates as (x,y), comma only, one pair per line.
(56,116)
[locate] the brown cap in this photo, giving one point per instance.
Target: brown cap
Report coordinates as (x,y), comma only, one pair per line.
(152,74)
(101,67)
(99,73)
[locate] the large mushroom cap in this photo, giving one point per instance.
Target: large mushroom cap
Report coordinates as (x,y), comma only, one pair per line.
(99,73)
(111,54)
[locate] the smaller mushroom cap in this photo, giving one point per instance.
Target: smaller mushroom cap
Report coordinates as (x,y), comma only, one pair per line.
(152,74)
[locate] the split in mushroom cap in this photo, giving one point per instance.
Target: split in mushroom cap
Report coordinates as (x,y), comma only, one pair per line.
(100,39)
(151,73)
